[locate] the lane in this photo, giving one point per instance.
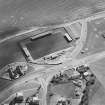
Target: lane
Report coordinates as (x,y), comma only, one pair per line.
(90,18)
(64,66)
(44,90)
(96,16)
(81,41)
(24,13)
(13,89)
(88,59)
(78,47)
(98,68)
(26,93)
(6,82)
(94,57)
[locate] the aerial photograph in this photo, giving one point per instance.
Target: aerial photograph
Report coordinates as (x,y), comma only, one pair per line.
(52,52)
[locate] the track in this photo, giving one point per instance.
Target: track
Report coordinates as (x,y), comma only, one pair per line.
(70,62)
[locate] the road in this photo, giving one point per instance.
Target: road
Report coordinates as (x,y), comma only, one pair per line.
(67,64)
(44,88)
